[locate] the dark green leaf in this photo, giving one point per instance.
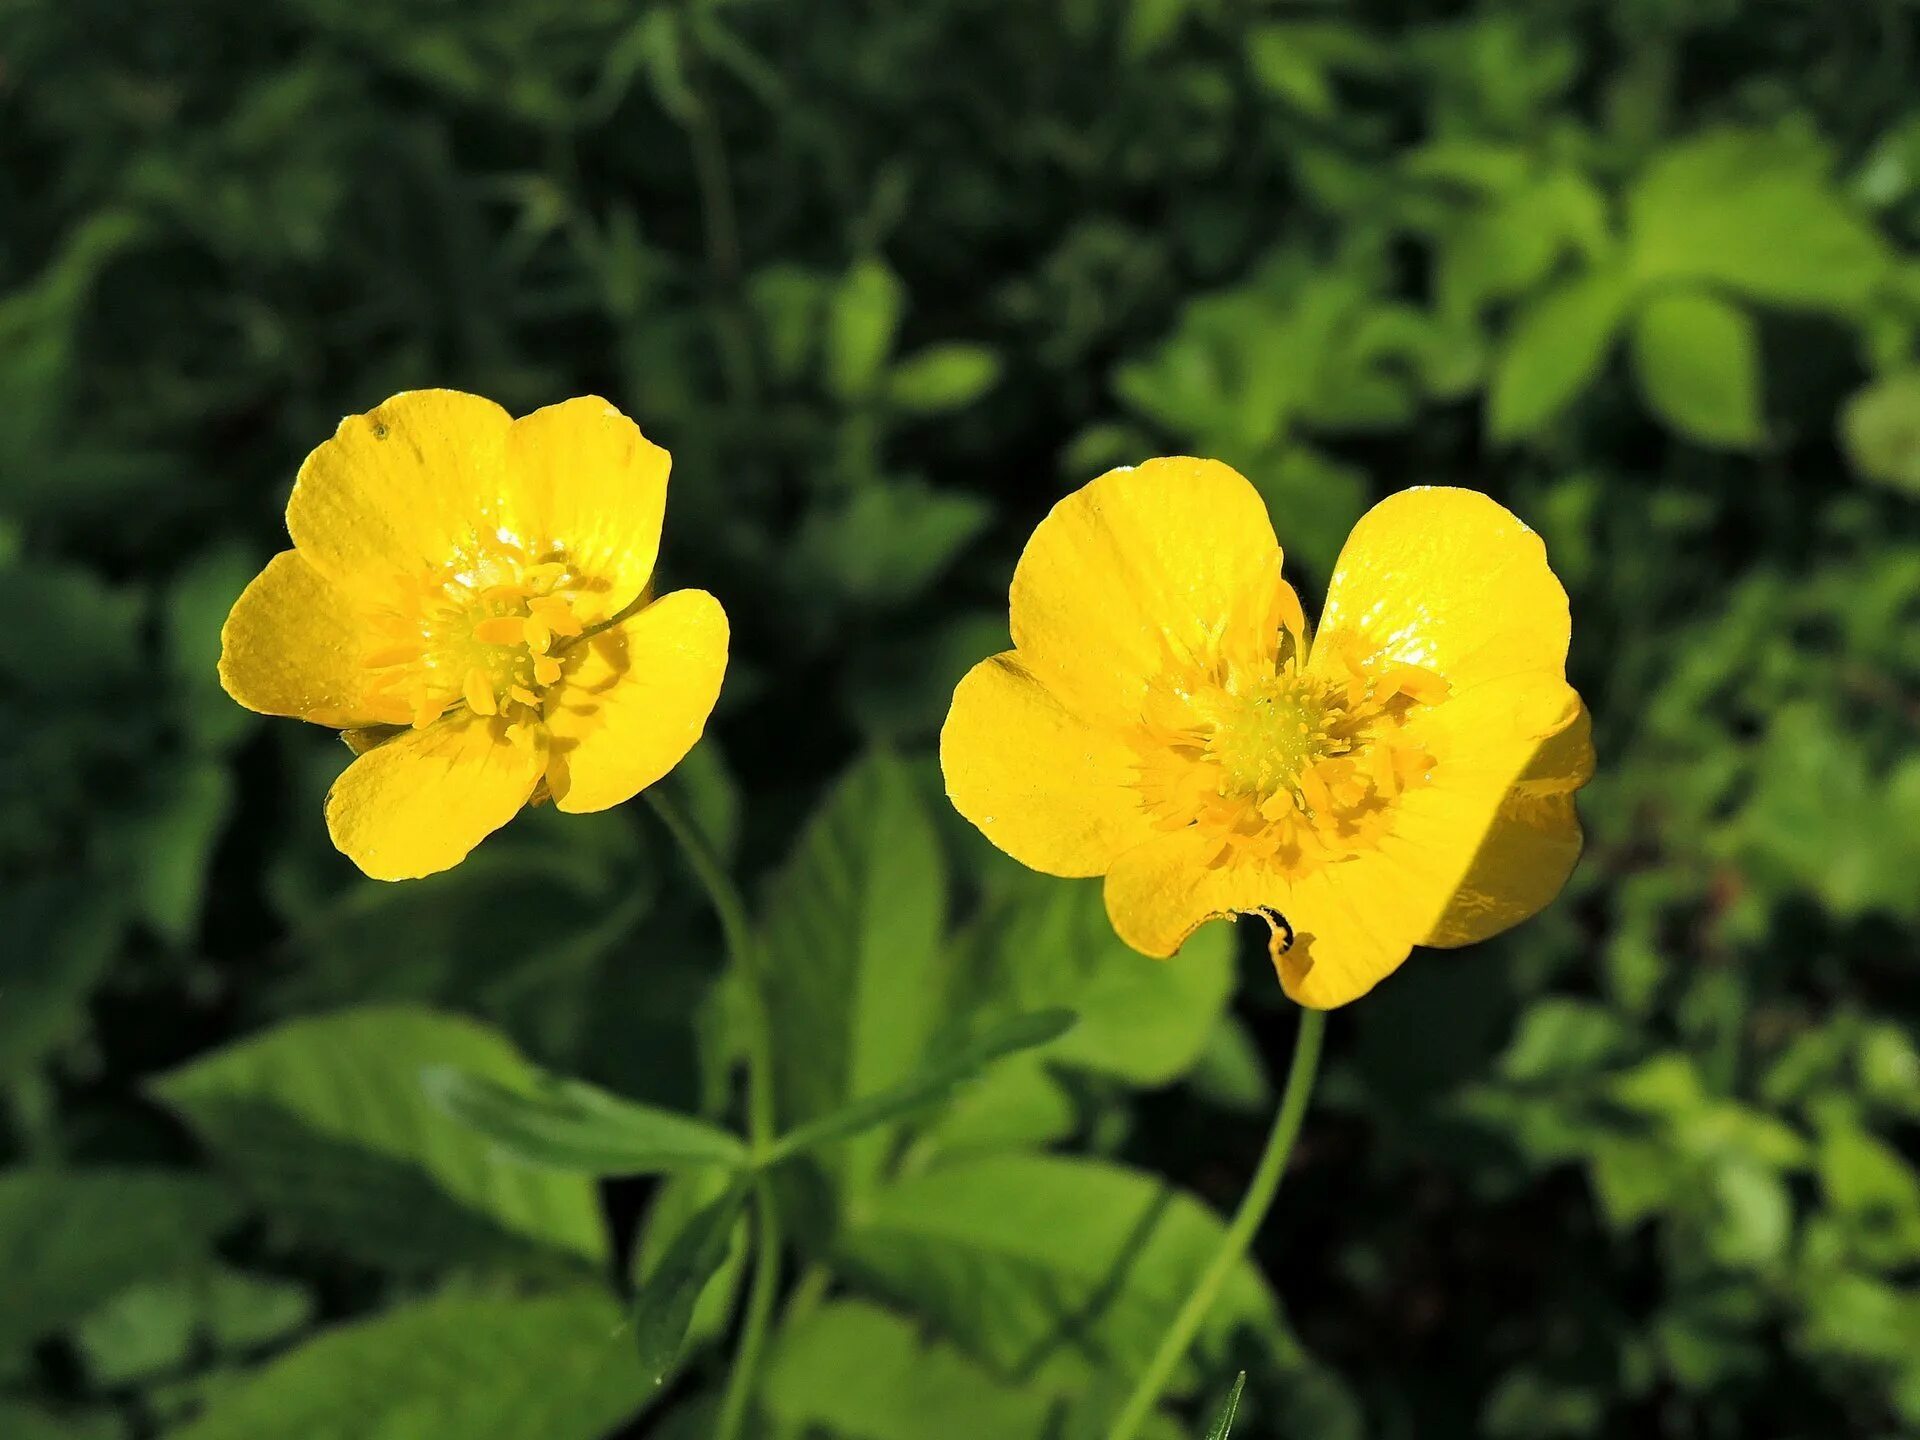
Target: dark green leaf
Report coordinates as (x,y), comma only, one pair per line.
(664,1307)
(325,1121)
(931,1085)
(569,1125)
(853,926)
(559,1367)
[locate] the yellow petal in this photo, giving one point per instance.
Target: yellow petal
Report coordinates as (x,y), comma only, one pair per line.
(1527,854)
(634,700)
(587,480)
(1447,580)
(405,486)
(1132,563)
(291,646)
(420,802)
(1161,891)
(1050,790)
(1335,933)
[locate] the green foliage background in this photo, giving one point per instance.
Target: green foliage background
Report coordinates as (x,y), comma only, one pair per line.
(888,281)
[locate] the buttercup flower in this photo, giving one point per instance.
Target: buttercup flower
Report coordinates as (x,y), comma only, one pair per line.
(1403,776)
(467,597)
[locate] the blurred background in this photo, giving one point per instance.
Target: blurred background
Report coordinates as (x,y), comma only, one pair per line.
(888,281)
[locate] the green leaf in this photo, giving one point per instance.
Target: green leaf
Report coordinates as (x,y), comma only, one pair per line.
(931,1085)
(1028,1259)
(1880,429)
(885,543)
(570,1125)
(1553,352)
(859,1372)
(325,1121)
(862,317)
(71,1240)
(1223,1422)
(558,1366)
(663,1310)
(1697,359)
(853,924)
(1757,214)
(1044,942)
(941,378)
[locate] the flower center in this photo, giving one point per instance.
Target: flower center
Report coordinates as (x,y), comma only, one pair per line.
(1264,740)
(1285,766)
(486,630)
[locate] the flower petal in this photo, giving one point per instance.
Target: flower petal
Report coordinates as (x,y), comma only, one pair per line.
(405,486)
(291,646)
(1130,564)
(634,700)
(1447,580)
(1052,791)
(584,478)
(420,802)
(1525,857)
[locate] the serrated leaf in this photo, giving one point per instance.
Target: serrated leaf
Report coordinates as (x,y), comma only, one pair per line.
(664,1307)
(559,1367)
(932,1084)
(1697,360)
(324,1120)
(1553,352)
(570,1125)
(72,1239)
(853,924)
(1027,1260)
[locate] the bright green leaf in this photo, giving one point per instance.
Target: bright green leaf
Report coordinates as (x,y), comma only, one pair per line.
(1757,214)
(863,314)
(1553,352)
(1880,428)
(942,378)
(1697,360)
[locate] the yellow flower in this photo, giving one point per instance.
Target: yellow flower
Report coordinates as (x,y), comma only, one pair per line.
(480,582)
(1403,777)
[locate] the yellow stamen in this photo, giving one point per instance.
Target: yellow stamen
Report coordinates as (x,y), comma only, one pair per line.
(479,692)
(501,630)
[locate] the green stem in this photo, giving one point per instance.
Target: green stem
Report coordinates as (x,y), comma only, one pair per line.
(743,950)
(760,1302)
(1240,1230)
(744,953)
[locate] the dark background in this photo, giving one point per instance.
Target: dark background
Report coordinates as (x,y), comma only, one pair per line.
(888,281)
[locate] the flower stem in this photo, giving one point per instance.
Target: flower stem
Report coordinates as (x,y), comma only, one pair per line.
(760,1301)
(1240,1230)
(744,954)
